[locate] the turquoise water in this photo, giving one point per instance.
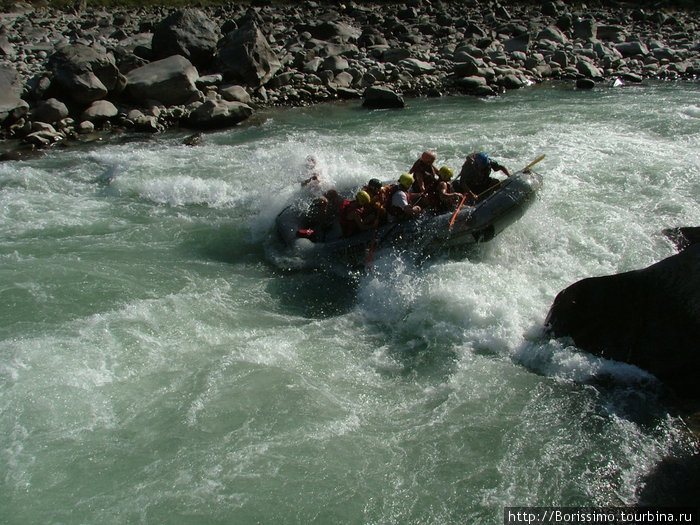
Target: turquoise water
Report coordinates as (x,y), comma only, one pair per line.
(157,366)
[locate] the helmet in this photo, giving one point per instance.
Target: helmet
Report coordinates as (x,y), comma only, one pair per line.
(375,183)
(363,198)
(446,173)
(428,156)
(406,180)
(482,159)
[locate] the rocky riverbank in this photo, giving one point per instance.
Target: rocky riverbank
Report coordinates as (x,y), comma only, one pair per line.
(64,74)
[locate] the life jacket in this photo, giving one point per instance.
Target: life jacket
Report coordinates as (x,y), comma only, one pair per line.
(348,226)
(395,211)
(430,198)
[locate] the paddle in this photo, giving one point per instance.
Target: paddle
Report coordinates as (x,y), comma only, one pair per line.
(454,215)
(533,163)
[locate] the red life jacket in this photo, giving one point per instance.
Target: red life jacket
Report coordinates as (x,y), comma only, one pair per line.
(348,226)
(431,197)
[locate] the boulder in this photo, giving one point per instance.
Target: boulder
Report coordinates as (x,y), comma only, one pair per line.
(612,33)
(382,98)
(649,318)
(12,107)
(588,70)
(332,30)
(468,66)
(585,83)
(7,50)
(245,55)
(417,67)
(99,111)
(235,93)
(519,43)
(552,34)
(395,55)
(50,111)
(631,49)
(84,74)
(212,114)
(511,81)
(585,29)
(170,81)
(336,64)
(189,33)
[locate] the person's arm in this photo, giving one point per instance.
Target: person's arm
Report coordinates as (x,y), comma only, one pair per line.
(495,166)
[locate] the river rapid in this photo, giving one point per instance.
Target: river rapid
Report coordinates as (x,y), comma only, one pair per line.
(158,366)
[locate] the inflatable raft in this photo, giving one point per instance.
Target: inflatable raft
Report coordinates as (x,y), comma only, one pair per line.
(426,235)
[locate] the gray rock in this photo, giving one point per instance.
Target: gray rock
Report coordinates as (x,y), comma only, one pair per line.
(245,55)
(85,74)
(585,29)
(86,127)
(519,43)
(336,64)
(7,50)
(611,33)
(343,80)
(471,83)
(382,98)
(189,33)
(12,107)
(51,111)
(44,138)
(332,30)
(234,93)
(147,123)
(631,49)
(170,81)
(560,57)
(588,70)
(395,55)
(511,81)
(99,111)
(313,65)
(417,67)
(213,114)
(553,34)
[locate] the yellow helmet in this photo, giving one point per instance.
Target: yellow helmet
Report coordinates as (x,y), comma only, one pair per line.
(406,180)
(363,198)
(446,173)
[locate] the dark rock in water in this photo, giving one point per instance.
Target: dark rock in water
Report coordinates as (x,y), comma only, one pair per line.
(193,140)
(188,32)
(649,318)
(684,236)
(382,98)
(24,152)
(673,482)
(585,83)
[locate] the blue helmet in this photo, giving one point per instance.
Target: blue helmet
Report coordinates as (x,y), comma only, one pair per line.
(482,159)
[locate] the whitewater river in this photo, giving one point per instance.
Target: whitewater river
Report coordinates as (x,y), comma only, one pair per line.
(157,366)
